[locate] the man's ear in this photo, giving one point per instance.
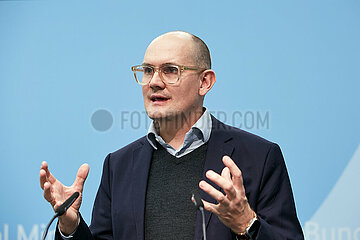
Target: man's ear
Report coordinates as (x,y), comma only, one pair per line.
(207,80)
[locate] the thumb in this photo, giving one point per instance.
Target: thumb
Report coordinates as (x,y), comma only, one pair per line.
(81,177)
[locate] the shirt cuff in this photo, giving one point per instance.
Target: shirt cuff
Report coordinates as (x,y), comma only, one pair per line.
(69,236)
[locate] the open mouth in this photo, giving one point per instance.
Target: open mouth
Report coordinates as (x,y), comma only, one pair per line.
(159,99)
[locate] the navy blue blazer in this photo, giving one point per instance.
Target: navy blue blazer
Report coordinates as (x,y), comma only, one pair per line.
(119,206)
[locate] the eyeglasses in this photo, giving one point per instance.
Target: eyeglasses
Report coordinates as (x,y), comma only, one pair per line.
(169,73)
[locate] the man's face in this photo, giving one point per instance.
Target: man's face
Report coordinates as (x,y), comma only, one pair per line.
(166,101)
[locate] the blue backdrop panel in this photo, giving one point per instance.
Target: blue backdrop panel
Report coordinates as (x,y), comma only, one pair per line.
(286,70)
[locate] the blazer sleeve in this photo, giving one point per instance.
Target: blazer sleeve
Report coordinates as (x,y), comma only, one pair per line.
(82,232)
(275,205)
(101,221)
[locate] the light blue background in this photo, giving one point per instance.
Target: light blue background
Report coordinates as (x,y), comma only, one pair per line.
(60,61)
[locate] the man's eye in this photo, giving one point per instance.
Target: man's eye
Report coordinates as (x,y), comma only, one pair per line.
(147,70)
(169,70)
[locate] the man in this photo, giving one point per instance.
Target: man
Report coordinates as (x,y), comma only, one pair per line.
(146,186)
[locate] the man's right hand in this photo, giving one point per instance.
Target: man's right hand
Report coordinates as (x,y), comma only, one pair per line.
(56,193)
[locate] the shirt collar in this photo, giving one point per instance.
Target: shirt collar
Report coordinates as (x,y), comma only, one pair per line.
(204,125)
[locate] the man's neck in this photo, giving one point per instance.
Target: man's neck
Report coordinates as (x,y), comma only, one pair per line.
(173,130)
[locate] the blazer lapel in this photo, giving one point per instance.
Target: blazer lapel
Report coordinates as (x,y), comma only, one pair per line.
(141,165)
(220,144)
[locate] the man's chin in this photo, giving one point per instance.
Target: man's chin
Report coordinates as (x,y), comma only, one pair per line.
(162,115)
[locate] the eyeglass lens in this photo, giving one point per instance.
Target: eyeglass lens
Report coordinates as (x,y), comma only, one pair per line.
(169,74)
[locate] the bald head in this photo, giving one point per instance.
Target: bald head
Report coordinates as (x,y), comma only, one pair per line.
(166,101)
(196,47)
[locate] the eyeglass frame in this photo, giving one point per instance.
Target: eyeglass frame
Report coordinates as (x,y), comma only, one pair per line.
(157,69)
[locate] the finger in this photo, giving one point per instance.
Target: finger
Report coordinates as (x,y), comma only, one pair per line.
(49,176)
(210,207)
(44,165)
(58,204)
(225,173)
(48,194)
(42,177)
(217,195)
(223,183)
(81,177)
(235,172)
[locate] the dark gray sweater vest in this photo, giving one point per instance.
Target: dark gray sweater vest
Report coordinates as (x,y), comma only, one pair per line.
(169,212)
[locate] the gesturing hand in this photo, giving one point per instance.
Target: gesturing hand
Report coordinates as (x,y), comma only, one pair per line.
(56,193)
(233,208)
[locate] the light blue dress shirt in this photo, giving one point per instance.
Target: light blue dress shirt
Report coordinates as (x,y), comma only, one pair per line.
(198,135)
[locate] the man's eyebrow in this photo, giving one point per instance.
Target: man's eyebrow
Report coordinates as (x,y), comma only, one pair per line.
(167,63)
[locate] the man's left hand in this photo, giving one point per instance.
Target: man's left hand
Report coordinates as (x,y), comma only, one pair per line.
(233,208)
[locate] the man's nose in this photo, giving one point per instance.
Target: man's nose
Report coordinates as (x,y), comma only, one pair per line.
(156,81)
